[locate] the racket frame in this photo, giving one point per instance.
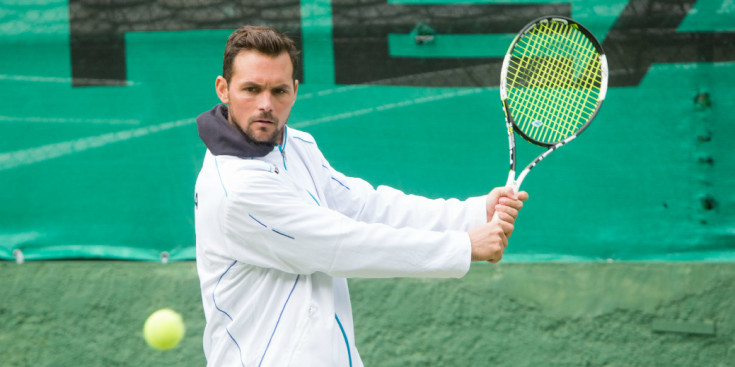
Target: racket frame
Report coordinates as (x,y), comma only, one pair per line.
(512,181)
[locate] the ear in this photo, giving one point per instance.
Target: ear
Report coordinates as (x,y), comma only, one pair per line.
(220,85)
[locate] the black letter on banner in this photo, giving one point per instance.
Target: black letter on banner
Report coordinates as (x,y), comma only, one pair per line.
(645,33)
(361,29)
(98,27)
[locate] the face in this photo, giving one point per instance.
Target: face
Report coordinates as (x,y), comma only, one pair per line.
(260,95)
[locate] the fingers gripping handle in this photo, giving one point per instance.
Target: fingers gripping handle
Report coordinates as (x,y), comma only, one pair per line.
(512,183)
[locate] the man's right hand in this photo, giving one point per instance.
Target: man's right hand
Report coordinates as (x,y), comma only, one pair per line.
(489,240)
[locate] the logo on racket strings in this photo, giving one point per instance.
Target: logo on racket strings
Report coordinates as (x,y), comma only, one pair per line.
(537,123)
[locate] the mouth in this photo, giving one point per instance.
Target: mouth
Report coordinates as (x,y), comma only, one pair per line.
(264,120)
(263,123)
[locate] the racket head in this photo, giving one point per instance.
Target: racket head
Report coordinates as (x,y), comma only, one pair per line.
(553,80)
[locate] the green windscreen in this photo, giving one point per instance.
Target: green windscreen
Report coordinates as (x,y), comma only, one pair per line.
(99,150)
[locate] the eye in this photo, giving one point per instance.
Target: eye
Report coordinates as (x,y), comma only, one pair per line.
(253,89)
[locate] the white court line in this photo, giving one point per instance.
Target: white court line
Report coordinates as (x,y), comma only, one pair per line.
(69,120)
(387,82)
(388,106)
(330,91)
(60,80)
(43,153)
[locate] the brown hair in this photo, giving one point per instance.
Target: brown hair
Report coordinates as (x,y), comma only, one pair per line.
(265,40)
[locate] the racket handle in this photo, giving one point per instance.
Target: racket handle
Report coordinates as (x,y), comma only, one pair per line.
(495,217)
(512,183)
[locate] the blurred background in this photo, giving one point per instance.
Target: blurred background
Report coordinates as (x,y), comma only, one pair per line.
(623,255)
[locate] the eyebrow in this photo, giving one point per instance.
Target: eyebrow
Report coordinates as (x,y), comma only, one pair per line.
(252,83)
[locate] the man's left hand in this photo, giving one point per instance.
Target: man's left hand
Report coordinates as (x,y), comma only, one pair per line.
(507,203)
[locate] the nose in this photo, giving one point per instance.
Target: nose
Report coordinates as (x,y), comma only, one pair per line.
(265,102)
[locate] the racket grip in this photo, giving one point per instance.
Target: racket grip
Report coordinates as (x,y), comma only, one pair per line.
(495,217)
(512,183)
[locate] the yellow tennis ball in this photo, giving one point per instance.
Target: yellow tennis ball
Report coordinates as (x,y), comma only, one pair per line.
(164,329)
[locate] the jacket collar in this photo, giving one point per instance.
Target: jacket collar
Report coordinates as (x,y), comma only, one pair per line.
(221,138)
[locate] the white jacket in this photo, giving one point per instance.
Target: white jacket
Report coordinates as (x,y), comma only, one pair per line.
(276,237)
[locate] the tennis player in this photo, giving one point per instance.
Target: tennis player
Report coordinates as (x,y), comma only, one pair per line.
(278,230)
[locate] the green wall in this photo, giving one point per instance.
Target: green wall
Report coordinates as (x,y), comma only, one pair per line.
(587,314)
(98,167)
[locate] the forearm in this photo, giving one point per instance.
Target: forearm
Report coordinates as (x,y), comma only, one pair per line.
(400,210)
(358,200)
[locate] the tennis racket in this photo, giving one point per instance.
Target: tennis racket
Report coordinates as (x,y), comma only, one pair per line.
(552,84)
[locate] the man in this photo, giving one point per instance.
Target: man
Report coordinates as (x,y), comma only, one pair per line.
(278,229)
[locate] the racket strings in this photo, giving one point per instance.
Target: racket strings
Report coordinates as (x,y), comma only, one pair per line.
(553,81)
(552,71)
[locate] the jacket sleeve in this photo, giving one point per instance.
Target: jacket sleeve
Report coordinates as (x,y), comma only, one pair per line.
(357,199)
(269,223)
